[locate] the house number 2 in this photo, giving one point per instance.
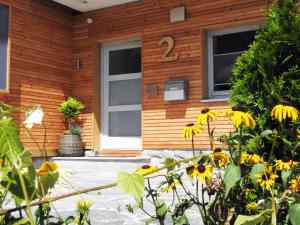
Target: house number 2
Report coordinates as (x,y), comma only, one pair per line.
(167,56)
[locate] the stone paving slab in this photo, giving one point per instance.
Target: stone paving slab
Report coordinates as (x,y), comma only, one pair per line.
(109,206)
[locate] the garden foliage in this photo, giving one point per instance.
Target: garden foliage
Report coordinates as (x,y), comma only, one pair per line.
(269,71)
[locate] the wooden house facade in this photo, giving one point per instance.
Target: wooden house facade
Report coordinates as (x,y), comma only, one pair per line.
(125,63)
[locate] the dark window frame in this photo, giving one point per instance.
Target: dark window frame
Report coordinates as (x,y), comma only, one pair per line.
(5,87)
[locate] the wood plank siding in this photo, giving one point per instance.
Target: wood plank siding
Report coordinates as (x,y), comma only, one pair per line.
(148,20)
(40,65)
(46,40)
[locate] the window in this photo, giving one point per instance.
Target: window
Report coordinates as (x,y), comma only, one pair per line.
(223,49)
(4,14)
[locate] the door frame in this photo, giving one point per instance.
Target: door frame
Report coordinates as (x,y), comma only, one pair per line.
(109,143)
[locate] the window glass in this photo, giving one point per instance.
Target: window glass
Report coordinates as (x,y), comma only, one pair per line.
(226,49)
(125,92)
(125,124)
(3,45)
(125,61)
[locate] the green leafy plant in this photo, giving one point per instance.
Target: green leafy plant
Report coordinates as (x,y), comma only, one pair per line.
(71,109)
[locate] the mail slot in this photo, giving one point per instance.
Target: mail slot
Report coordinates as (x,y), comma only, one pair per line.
(176,90)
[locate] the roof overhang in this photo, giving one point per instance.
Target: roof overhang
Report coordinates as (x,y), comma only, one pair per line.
(91,5)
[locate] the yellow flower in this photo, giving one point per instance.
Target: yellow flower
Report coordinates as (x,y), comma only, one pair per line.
(266,178)
(250,158)
(222,157)
(285,110)
(145,169)
(47,167)
(2,162)
(191,130)
(200,171)
(239,115)
(171,185)
(295,184)
(285,164)
(206,114)
(251,207)
(83,205)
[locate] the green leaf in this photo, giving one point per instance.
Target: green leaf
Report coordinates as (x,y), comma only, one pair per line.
(26,158)
(231,177)
(160,207)
(181,220)
(294,214)
(47,182)
(285,174)
(132,184)
(12,181)
(140,202)
(254,219)
(149,220)
(22,221)
(169,161)
(256,169)
(9,139)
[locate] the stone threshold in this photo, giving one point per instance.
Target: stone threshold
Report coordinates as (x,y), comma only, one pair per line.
(135,159)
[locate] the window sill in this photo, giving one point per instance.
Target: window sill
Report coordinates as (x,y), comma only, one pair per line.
(225,99)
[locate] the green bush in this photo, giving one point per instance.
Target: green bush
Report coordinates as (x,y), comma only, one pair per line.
(269,71)
(71,108)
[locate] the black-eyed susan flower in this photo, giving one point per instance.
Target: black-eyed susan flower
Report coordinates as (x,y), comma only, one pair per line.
(285,163)
(83,205)
(171,185)
(285,110)
(206,114)
(240,116)
(250,158)
(204,172)
(251,207)
(222,157)
(266,178)
(295,184)
(47,167)
(191,130)
(145,169)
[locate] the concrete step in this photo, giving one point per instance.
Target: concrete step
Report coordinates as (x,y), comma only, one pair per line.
(138,159)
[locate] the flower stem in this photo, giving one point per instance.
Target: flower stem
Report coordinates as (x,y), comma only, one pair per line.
(35,142)
(44,143)
(193,146)
(197,189)
(272,148)
(203,204)
(240,146)
(210,136)
(23,186)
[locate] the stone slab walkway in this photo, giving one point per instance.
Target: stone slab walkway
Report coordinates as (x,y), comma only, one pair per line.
(109,206)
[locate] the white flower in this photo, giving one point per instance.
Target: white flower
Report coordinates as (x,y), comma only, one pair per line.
(33,116)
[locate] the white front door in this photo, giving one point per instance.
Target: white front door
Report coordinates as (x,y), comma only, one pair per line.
(121,96)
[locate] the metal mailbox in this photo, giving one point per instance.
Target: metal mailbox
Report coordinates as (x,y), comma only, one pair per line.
(176,90)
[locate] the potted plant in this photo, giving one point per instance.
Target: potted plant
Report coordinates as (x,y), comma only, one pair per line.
(70,141)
